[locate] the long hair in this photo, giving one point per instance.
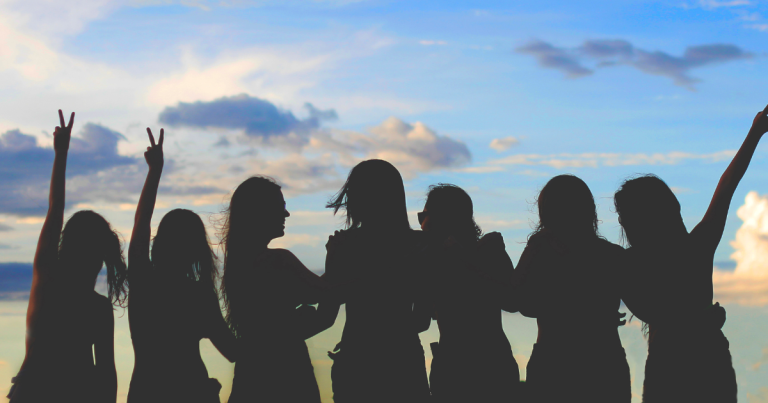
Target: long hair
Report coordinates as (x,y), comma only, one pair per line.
(241,227)
(374,191)
(454,208)
(88,240)
(182,251)
(566,206)
(648,210)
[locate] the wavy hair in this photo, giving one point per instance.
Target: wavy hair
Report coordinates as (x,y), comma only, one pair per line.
(181,249)
(648,210)
(566,205)
(455,208)
(239,232)
(87,240)
(374,188)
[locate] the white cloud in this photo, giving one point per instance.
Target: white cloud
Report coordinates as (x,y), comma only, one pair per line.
(594,160)
(504,144)
(432,43)
(759,27)
(712,4)
(748,283)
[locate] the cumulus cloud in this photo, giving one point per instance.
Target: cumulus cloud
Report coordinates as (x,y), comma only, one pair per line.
(748,283)
(257,118)
(504,144)
(594,160)
(584,60)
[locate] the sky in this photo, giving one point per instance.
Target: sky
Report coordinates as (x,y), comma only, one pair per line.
(496,97)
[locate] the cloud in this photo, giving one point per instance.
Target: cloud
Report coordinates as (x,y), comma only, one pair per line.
(760,397)
(758,27)
(504,144)
(713,4)
(555,58)
(432,43)
(15,280)
(594,160)
(748,283)
(258,118)
(26,167)
(5,228)
(763,360)
(412,148)
(584,60)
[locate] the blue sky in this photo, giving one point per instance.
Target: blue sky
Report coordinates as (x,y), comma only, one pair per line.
(496,97)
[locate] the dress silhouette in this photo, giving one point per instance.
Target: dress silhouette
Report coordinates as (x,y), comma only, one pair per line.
(268,295)
(380,357)
(70,327)
(568,278)
(473,361)
(175,303)
(669,283)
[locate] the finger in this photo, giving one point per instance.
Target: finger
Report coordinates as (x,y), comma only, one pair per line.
(162,133)
(151,138)
(61,119)
(71,120)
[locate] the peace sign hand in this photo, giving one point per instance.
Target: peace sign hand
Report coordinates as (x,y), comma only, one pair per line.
(63,133)
(154,154)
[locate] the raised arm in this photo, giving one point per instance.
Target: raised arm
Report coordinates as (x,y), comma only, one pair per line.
(709,231)
(48,243)
(138,251)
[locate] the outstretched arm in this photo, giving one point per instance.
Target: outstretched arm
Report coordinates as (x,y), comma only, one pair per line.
(709,231)
(48,243)
(138,251)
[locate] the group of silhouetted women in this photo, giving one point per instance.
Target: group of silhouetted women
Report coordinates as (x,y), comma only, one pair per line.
(394,281)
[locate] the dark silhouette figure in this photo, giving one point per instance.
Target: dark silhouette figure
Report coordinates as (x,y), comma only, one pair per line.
(380,358)
(568,278)
(669,283)
(267,294)
(473,360)
(70,346)
(173,302)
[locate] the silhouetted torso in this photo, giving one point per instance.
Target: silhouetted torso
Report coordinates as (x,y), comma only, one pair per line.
(62,328)
(381,357)
(573,289)
(473,360)
(274,363)
(167,320)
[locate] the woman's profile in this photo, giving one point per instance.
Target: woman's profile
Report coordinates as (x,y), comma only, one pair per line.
(568,278)
(267,295)
(669,283)
(70,327)
(175,303)
(380,357)
(473,360)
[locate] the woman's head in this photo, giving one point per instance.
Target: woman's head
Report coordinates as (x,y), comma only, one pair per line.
(648,210)
(449,210)
(255,216)
(374,193)
(88,243)
(566,206)
(181,248)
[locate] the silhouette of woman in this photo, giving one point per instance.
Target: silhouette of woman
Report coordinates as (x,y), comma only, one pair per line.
(380,358)
(669,272)
(473,360)
(568,279)
(267,294)
(68,323)
(174,303)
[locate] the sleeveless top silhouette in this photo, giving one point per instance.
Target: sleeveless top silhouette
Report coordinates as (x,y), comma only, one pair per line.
(380,356)
(671,290)
(274,364)
(167,320)
(59,364)
(573,289)
(473,360)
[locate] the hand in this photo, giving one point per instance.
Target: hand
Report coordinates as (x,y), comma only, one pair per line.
(63,133)
(154,154)
(760,123)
